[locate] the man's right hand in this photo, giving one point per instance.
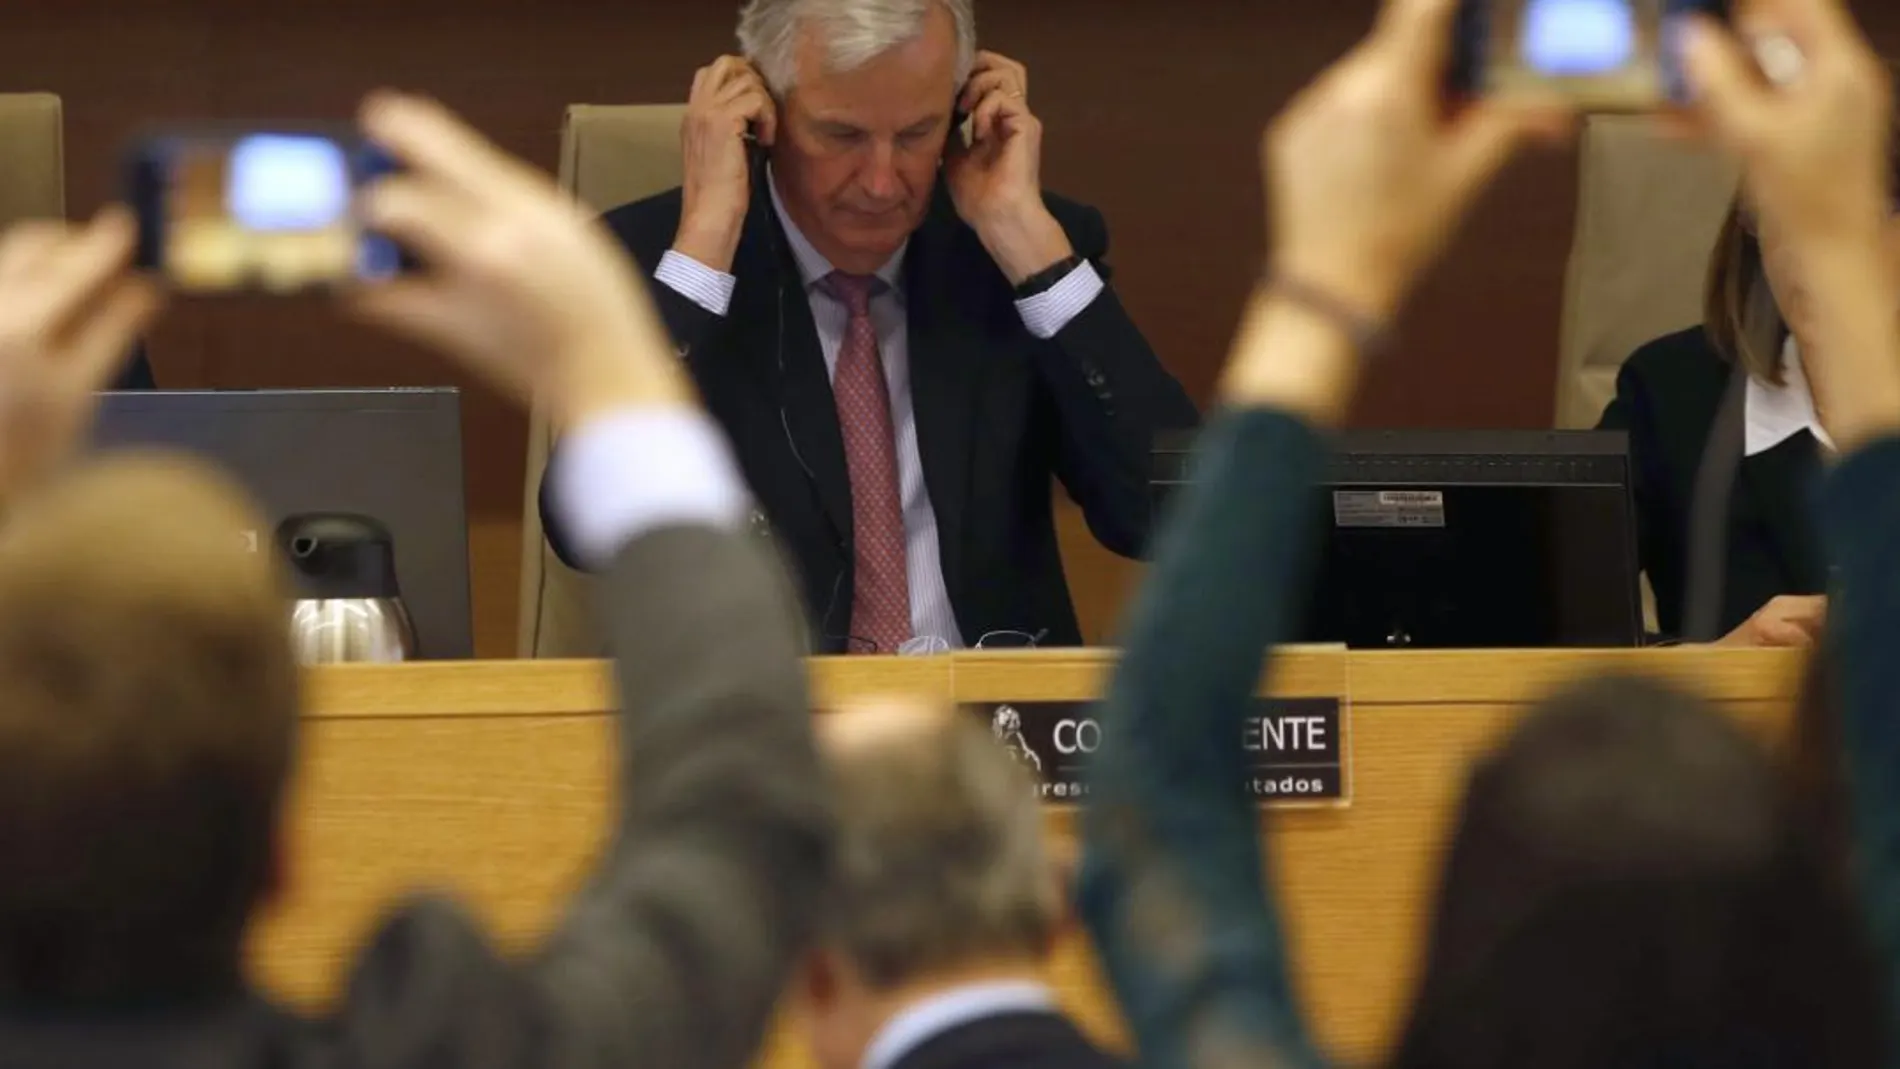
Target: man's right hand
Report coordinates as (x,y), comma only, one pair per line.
(1367,178)
(728,98)
(523,284)
(1787,621)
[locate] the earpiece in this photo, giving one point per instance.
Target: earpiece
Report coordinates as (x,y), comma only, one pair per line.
(759,155)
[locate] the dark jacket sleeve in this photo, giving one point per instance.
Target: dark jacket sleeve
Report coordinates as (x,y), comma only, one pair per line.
(1111,395)
(1172,886)
(1658,529)
(677,950)
(1860,517)
(646,229)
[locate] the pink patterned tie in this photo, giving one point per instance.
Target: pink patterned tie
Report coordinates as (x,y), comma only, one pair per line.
(880,599)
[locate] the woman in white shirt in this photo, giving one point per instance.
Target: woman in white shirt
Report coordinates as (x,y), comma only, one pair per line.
(1667,398)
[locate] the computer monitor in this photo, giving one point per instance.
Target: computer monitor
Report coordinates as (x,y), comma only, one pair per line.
(394,455)
(1468,539)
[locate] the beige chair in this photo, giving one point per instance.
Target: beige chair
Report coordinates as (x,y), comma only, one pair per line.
(32,158)
(1649,209)
(609,155)
(1648,212)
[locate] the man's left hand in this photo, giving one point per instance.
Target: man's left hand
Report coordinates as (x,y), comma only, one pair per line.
(996,181)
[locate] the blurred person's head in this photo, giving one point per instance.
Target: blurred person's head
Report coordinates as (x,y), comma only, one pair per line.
(866,91)
(1754,297)
(1630,883)
(941,878)
(148,706)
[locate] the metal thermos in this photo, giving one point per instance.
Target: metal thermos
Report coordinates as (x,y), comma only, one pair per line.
(349,607)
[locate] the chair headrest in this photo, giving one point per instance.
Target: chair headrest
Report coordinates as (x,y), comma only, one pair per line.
(33,180)
(613,154)
(1648,212)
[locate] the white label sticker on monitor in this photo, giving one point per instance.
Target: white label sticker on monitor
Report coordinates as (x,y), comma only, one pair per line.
(1388,508)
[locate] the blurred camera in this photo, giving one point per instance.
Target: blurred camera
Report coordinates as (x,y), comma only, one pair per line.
(1598,55)
(264,209)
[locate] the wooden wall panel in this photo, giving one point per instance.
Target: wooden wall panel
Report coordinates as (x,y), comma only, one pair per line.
(1153,110)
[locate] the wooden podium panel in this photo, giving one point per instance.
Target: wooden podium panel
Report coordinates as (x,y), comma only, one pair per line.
(491,780)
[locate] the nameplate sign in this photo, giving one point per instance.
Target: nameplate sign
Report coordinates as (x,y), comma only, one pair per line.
(1297,751)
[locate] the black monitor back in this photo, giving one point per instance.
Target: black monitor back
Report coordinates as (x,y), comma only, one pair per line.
(395,455)
(1468,539)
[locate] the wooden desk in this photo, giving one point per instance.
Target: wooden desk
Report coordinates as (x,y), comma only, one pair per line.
(492,778)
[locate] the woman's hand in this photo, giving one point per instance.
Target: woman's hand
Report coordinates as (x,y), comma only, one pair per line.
(1789,621)
(1366,180)
(1815,141)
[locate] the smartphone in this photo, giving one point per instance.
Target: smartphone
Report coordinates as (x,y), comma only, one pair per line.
(1599,55)
(267,208)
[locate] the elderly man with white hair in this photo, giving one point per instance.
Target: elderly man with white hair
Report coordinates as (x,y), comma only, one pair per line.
(906,338)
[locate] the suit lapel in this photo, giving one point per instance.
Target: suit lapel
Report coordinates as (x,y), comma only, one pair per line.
(946,355)
(792,363)
(1780,482)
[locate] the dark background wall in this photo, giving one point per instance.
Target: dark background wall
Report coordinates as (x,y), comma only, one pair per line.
(1154,112)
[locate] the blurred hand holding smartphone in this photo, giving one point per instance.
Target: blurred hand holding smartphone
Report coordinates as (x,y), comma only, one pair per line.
(259,209)
(1596,55)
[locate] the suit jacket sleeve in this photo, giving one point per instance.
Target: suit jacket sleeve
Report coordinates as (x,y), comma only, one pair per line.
(1658,549)
(686,322)
(1110,395)
(1175,887)
(1860,519)
(676,952)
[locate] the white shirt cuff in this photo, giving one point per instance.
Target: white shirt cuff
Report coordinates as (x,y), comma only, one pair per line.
(630,472)
(704,286)
(1048,312)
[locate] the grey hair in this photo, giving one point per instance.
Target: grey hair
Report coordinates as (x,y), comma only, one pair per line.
(941,859)
(854,32)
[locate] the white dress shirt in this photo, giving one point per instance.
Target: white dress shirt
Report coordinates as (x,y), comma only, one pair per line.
(933,620)
(627,473)
(1775,414)
(926,1020)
